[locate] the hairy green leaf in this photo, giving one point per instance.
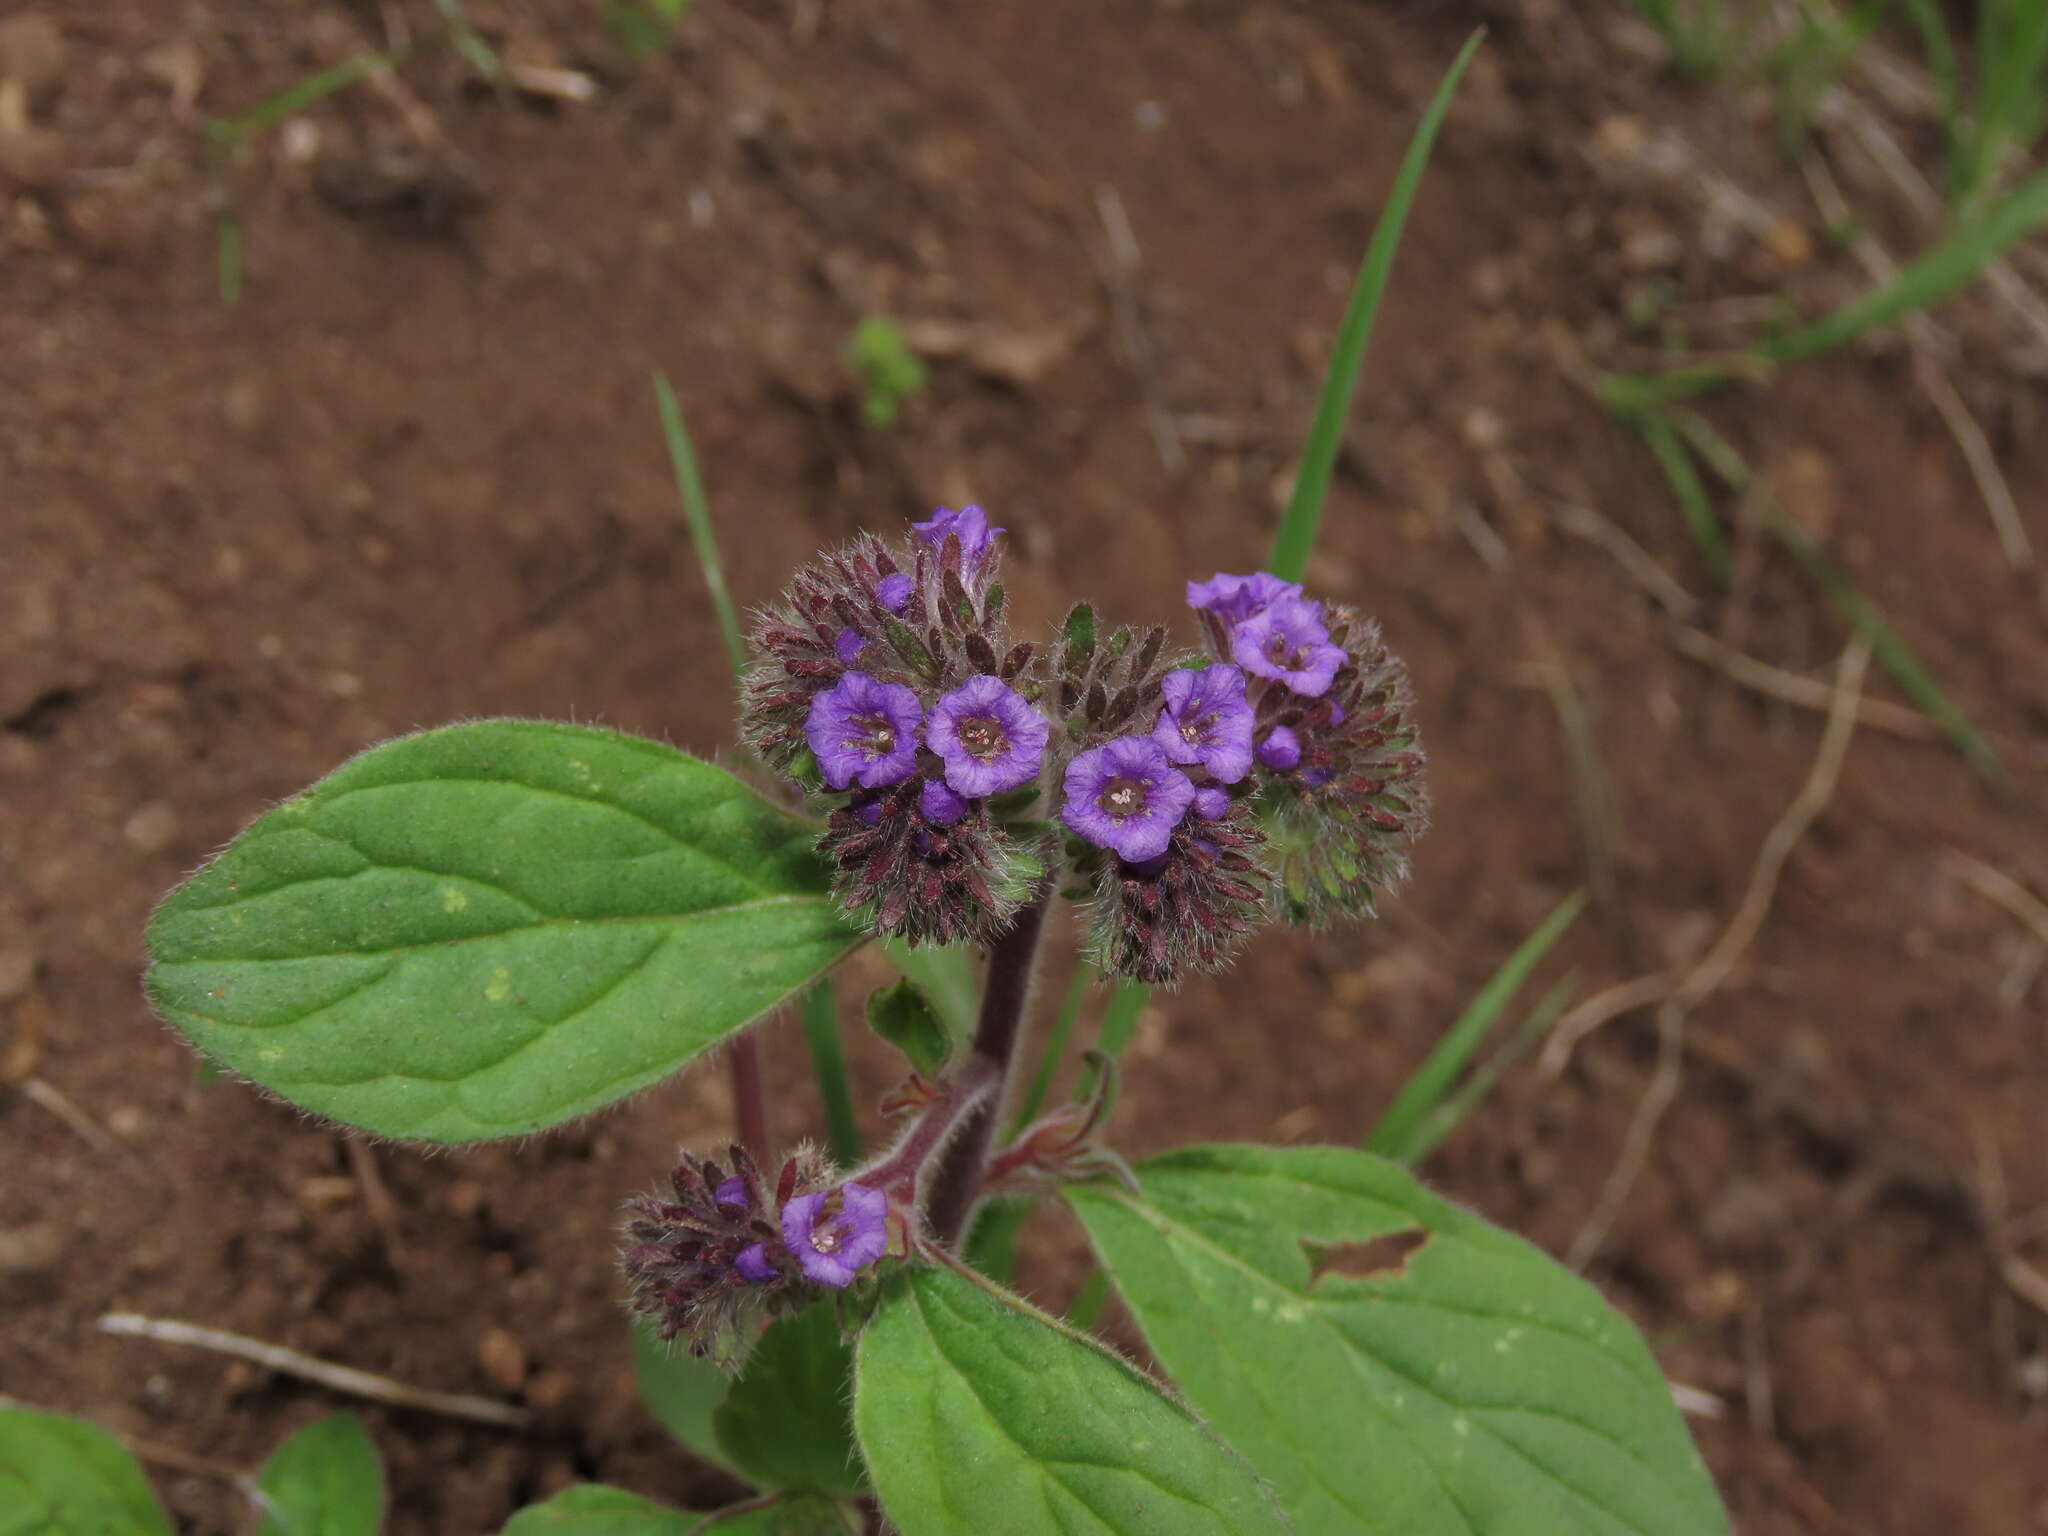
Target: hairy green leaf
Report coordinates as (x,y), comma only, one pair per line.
(785,1422)
(492,928)
(982,1416)
(902,1015)
(326,1480)
(682,1391)
(592,1509)
(59,1474)
(1391,1363)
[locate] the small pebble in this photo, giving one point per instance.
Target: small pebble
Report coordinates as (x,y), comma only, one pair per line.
(152,828)
(503,1358)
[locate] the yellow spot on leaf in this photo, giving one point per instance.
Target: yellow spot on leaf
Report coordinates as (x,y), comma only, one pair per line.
(499,987)
(453,899)
(271,1053)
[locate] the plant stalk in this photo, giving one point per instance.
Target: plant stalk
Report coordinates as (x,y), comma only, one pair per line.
(957,1182)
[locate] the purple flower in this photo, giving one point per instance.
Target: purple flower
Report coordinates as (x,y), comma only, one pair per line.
(848,646)
(1211,804)
(828,1251)
(864,732)
(1206,720)
(1281,749)
(754,1264)
(1287,642)
(1127,797)
(939,804)
(969,525)
(990,739)
(893,591)
(1236,598)
(732,1192)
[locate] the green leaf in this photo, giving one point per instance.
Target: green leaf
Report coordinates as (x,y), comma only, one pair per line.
(326,1480)
(489,929)
(1297,533)
(785,1421)
(1080,635)
(947,974)
(1400,1129)
(1468,1386)
(903,1016)
(591,1509)
(682,1391)
(982,1416)
(59,1475)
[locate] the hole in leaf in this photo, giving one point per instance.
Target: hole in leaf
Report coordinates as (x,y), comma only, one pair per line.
(1387,1254)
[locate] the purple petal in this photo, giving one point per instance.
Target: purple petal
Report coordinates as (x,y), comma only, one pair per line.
(864,732)
(939,804)
(1281,749)
(753,1262)
(848,645)
(1127,797)
(1211,804)
(893,592)
(732,1192)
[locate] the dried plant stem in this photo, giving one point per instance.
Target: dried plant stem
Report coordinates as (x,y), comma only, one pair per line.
(1995,885)
(338,1378)
(1712,970)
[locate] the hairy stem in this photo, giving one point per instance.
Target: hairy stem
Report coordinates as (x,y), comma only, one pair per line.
(957,1182)
(750,1097)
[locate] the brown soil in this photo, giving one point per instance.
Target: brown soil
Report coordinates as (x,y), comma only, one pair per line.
(415,475)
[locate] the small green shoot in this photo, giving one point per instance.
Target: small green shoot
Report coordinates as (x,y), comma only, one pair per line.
(1055,1048)
(644,28)
(1404,1126)
(1304,516)
(1467,1096)
(1679,469)
(469,42)
(889,372)
(697,512)
(1696,33)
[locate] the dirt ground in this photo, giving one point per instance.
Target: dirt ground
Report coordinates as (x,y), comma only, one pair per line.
(415,475)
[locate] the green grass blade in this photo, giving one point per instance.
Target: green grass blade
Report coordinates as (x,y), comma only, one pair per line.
(698,513)
(1459,1104)
(1427,1088)
(294,99)
(819,1011)
(1925,282)
(1680,470)
(469,42)
(1297,534)
(1119,1022)
(1868,620)
(1055,1048)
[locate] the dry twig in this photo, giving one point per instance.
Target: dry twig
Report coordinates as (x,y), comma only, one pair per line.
(1713,970)
(337,1378)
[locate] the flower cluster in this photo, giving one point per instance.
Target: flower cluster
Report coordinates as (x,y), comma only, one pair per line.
(1338,756)
(886,676)
(723,1250)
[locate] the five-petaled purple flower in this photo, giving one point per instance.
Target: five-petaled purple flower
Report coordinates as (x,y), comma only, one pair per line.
(1206,720)
(830,1247)
(1127,797)
(1287,642)
(988,737)
(969,525)
(864,731)
(1236,598)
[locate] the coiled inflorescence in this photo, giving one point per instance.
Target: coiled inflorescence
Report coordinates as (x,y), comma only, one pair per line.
(886,675)
(1279,775)
(721,1250)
